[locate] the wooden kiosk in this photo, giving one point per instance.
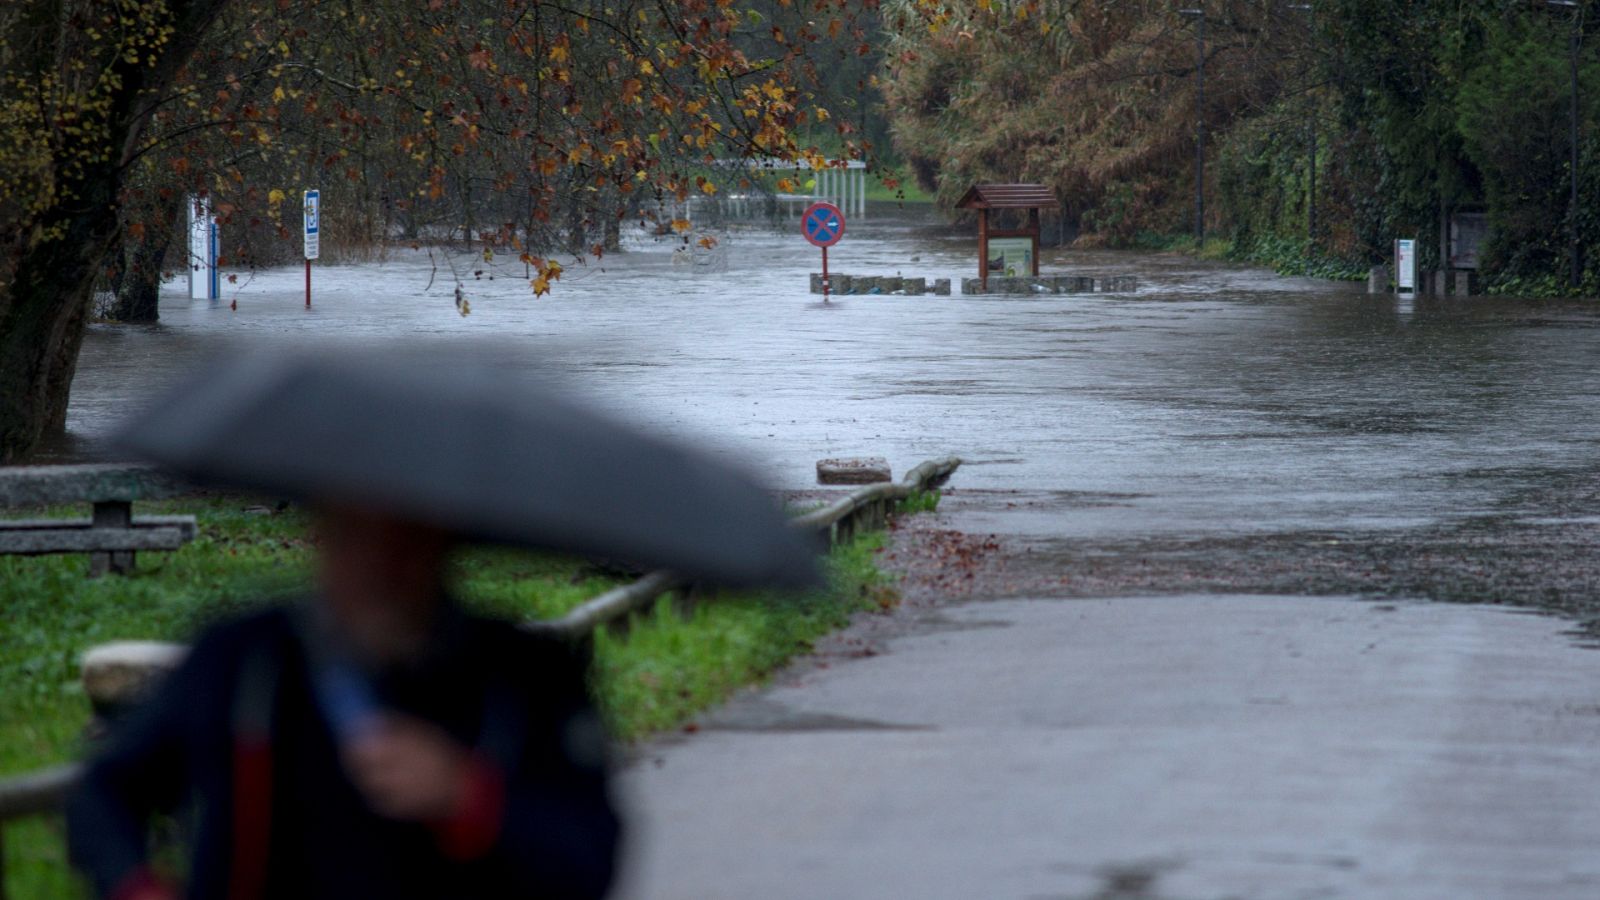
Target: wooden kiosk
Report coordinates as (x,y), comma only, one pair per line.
(984,197)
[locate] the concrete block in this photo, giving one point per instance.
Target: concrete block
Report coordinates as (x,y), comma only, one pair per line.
(816,282)
(1464,283)
(969,286)
(1118,284)
(120,674)
(842,284)
(1378,279)
(853,470)
(891,283)
(941,287)
(916,287)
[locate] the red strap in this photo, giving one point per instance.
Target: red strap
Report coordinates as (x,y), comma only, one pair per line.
(252,817)
(473,827)
(142,884)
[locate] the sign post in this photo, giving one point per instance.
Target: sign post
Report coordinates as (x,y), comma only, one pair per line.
(823,226)
(313,223)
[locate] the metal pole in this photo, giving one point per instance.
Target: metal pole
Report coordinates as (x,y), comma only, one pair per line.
(1199,125)
(1311,129)
(1311,203)
(825,285)
(308,284)
(1572,137)
(1574,250)
(1200,138)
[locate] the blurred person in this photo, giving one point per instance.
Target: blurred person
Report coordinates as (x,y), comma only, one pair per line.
(374,741)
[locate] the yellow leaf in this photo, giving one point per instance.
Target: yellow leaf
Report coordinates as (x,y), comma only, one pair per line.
(275,196)
(680,225)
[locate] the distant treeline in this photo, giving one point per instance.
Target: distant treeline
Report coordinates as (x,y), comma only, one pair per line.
(1412,112)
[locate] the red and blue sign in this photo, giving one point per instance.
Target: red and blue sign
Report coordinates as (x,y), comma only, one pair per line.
(822,224)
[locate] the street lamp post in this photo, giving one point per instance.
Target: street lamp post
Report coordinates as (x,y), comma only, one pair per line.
(1311,126)
(1199,125)
(1575,249)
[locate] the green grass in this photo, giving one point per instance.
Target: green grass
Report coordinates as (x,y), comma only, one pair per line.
(905,192)
(918,502)
(1286,256)
(672,662)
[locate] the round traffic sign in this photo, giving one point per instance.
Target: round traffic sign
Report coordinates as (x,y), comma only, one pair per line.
(822,224)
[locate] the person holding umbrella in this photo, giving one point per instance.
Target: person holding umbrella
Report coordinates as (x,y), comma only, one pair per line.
(377,740)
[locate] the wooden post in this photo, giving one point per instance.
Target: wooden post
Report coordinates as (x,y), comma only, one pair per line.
(113,514)
(983,249)
(1033,226)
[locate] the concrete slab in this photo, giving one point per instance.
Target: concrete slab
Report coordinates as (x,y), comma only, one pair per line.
(1180,747)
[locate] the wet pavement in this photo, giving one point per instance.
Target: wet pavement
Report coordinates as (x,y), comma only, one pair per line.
(1234,455)
(1194,747)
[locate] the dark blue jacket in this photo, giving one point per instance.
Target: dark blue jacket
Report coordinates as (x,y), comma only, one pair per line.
(518,699)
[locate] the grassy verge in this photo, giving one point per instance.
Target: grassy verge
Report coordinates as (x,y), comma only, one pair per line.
(905,192)
(659,672)
(1286,256)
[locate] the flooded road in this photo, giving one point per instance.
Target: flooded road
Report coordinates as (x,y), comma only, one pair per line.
(1216,405)
(1188,462)
(1213,399)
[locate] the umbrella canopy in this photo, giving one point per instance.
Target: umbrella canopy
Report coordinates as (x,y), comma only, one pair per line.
(458,443)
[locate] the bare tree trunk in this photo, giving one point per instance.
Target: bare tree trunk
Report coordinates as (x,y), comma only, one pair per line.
(41,331)
(136,283)
(53,259)
(577,234)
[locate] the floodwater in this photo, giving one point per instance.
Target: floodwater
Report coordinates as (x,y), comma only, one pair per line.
(1215,400)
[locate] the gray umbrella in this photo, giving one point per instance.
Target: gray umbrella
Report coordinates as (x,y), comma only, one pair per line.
(456,442)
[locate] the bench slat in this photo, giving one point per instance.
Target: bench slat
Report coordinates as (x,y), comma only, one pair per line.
(186,524)
(56,485)
(92,540)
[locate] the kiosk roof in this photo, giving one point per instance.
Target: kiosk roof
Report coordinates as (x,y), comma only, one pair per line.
(1008,196)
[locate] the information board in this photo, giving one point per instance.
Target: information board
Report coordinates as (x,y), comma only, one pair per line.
(1405,265)
(313,218)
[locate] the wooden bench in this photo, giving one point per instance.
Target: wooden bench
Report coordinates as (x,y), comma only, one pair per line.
(112,534)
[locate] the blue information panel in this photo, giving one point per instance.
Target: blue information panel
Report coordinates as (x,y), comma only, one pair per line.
(313,220)
(822,224)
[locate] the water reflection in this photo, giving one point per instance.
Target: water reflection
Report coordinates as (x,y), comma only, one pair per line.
(1216,398)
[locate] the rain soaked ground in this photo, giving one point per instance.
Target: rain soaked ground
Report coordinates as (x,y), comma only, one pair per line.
(1185,463)
(1221,429)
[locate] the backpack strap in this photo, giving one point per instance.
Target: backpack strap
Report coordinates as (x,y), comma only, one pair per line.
(253,702)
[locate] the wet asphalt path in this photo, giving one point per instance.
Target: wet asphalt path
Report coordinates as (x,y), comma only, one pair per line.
(1177,747)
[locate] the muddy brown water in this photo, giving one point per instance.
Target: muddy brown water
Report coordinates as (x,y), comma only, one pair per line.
(1222,427)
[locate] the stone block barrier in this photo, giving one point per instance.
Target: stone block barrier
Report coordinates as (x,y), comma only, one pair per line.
(899,285)
(1052,284)
(881,284)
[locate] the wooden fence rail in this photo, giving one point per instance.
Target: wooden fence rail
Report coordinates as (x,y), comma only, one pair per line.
(45,791)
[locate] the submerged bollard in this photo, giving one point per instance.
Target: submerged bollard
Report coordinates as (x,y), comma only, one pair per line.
(853,470)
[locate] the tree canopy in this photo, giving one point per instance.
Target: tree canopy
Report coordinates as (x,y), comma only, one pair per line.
(527,124)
